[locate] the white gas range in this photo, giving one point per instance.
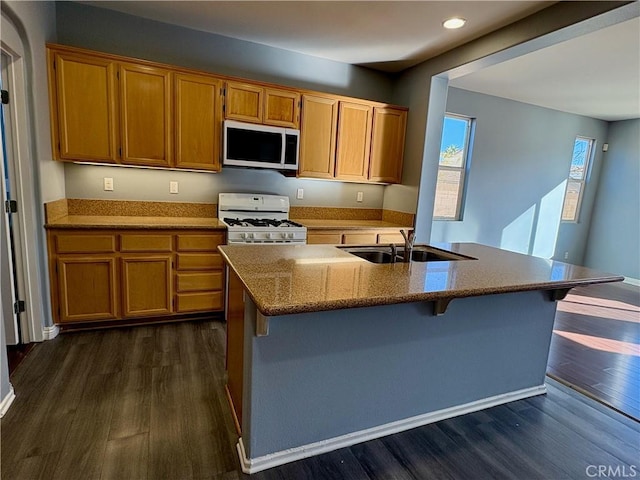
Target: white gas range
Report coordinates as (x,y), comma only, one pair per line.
(259,219)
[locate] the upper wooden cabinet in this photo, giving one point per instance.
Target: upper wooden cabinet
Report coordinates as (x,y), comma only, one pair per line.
(318,129)
(145,112)
(369,145)
(354,141)
(198,119)
(86,107)
(118,110)
(387,145)
(248,102)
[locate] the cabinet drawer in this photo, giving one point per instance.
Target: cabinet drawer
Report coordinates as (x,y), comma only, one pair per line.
(359,238)
(390,238)
(195,302)
(145,243)
(199,261)
(199,243)
(326,238)
(197,282)
(85,243)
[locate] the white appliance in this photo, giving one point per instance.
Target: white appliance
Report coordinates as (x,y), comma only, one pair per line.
(260,146)
(259,219)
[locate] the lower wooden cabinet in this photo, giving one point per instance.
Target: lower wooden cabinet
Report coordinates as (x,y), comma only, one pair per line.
(353,237)
(146,285)
(109,275)
(86,288)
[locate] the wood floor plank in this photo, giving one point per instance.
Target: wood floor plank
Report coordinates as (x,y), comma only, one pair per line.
(126,458)
(131,413)
(83,450)
(168,457)
(379,463)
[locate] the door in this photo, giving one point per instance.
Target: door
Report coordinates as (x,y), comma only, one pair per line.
(86,106)
(10,274)
(354,140)
(87,288)
(145,113)
(387,145)
(146,285)
(198,122)
(318,136)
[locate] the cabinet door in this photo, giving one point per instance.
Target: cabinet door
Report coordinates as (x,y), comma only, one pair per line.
(318,137)
(387,145)
(354,140)
(281,108)
(145,115)
(359,238)
(146,285)
(333,238)
(86,288)
(197,122)
(86,106)
(244,102)
(235,345)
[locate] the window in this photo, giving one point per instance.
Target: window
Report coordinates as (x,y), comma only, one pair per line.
(454,152)
(582,149)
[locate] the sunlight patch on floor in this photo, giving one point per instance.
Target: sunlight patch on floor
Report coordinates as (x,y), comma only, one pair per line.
(602,344)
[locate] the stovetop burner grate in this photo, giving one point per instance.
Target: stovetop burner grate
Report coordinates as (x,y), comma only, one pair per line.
(260,222)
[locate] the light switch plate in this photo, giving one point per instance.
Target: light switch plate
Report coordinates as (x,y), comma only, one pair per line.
(173,187)
(108,184)
(300,194)
(359,197)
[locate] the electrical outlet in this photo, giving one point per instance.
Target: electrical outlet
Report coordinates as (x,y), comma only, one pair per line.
(108,184)
(173,187)
(566,255)
(359,197)
(300,194)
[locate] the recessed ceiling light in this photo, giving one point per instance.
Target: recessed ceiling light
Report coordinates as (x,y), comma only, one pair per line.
(455,22)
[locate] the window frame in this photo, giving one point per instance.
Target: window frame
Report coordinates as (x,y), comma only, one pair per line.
(583,181)
(462,193)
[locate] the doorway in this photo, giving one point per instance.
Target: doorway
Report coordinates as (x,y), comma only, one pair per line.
(13,287)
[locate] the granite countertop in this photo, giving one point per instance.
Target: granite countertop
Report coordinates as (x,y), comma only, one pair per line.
(135,222)
(290,279)
(347,224)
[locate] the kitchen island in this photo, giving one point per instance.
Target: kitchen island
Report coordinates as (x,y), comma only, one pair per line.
(326,349)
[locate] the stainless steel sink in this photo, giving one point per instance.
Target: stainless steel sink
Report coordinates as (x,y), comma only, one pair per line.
(420,253)
(375,256)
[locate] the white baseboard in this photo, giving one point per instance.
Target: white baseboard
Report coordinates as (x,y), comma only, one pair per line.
(7,401)
(50,333)
(254,465)
(632,281)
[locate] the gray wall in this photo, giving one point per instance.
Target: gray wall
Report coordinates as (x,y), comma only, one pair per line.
(559,22)
(103,30)
(519,167)
(615,225)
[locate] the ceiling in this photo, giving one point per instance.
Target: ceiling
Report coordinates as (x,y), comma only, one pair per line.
(597,75)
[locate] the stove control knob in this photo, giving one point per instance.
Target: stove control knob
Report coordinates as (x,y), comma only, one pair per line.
(269,236)
(283,235)
(290,234)
(249,235)
(243,235)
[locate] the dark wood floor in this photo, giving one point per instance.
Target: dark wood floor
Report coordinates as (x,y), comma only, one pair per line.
(148,403)
(596,344)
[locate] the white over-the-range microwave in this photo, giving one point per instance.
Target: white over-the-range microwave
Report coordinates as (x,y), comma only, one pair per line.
(260,146)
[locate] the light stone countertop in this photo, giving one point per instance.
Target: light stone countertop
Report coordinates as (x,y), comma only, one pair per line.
(134,222)
(287,279)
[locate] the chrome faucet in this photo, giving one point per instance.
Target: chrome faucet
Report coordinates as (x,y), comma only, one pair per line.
(394,252)
(409,238)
